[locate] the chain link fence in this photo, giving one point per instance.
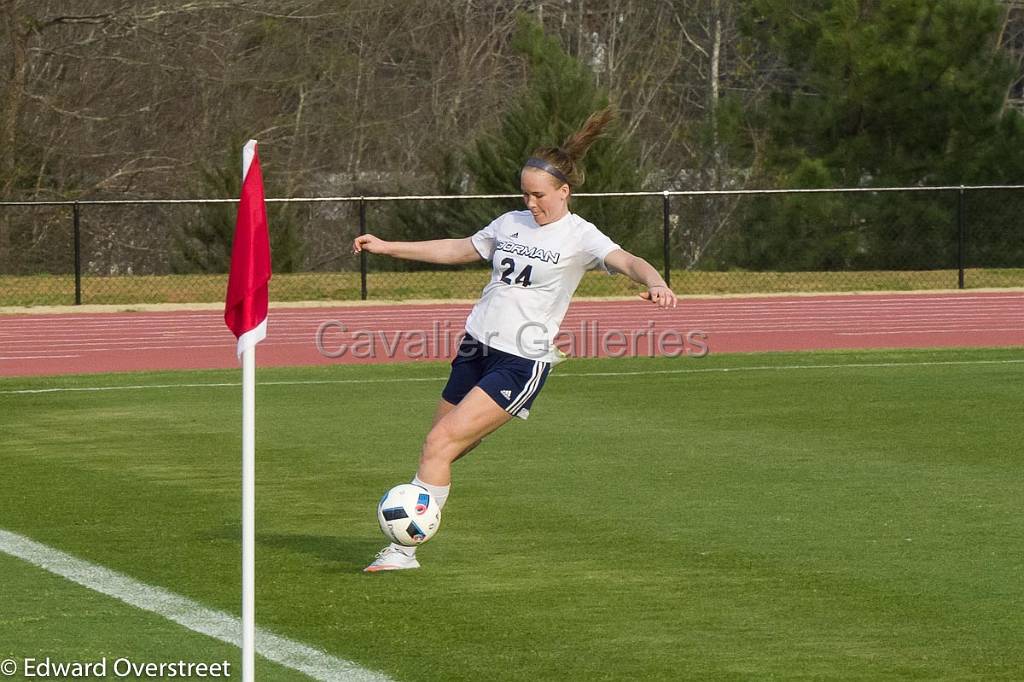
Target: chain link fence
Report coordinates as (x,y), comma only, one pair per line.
(830,240)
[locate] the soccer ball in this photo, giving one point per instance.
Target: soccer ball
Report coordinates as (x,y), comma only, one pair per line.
(408,515)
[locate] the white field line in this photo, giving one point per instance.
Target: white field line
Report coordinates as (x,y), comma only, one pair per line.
(843,305)
(80,341)
(144,341)
(34,357)
(397,336)
(558,375)
(72,335)
(140,387)
(153,326)
(840,330)
(73,331)
(954,330)
(682,308)
(794,298)
(185,612)
(59,350)
(145,321)
(149,347)
(186,340)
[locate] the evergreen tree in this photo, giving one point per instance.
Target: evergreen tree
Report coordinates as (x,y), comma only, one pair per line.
(894,93)
(559,96)
(204,243)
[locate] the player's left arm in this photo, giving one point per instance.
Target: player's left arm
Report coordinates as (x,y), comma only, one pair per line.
(642,272)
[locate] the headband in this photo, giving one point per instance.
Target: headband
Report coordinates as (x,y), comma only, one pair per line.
(534,162)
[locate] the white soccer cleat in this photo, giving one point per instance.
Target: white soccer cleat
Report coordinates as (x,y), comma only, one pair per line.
(391,559)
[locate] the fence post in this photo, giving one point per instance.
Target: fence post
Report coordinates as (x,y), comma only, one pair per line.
(665,237)
(363,260)
(76,216)
(961,240)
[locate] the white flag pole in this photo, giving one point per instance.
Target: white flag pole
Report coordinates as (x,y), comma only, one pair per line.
(248,513)
(248,486)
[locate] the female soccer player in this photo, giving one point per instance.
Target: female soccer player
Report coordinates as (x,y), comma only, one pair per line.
(539,257)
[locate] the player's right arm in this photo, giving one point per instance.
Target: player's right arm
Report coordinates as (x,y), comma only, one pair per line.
(444,251)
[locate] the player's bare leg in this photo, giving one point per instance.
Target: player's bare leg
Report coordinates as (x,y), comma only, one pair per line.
(443,408)
(457,431)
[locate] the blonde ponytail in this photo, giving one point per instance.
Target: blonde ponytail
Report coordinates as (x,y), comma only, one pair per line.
(566,159)
(579,142)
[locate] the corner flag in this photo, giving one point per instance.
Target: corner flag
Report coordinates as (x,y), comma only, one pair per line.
(245,310)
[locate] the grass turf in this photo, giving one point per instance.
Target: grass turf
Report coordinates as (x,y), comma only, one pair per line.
(829,515)
(45,616)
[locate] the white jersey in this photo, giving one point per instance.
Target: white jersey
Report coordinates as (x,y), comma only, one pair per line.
(536,271)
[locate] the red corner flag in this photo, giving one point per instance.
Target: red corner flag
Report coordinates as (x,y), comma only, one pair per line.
(245,310)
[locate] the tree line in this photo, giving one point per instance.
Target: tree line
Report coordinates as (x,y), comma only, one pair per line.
(153,98)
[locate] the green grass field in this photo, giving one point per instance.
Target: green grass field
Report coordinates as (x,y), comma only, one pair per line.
(842,515)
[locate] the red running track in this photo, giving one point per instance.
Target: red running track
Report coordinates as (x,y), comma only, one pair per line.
(71,343)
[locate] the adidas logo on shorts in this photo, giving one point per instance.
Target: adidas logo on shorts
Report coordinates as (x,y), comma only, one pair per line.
(507,393)
(514,236)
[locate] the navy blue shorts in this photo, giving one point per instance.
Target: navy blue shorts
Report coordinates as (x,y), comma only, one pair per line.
(511,381)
